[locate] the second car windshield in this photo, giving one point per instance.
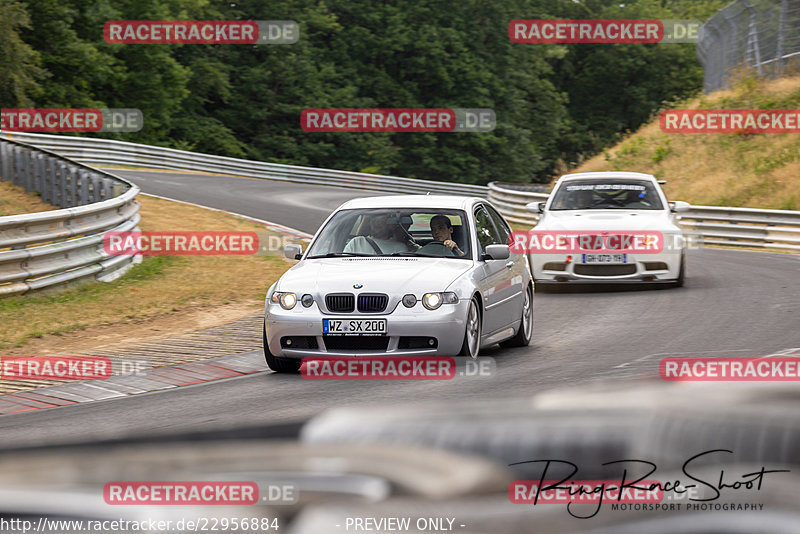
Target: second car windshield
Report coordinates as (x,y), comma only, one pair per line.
(394,232)
(607,194)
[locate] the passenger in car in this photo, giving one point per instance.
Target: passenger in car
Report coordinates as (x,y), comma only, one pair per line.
(380,238)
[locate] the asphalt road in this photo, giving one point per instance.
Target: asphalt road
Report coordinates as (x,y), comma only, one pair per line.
(734,303)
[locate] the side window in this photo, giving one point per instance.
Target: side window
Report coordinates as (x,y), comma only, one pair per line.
(487,235)
(500,224)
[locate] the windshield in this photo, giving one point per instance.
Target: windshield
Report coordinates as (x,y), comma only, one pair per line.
(606,194)
(394,232)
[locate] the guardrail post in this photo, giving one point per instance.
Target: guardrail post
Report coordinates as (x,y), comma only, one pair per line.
(66,192)
(48,179)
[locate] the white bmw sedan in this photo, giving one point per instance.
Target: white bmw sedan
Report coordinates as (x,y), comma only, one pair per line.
(406,275)
(607,227)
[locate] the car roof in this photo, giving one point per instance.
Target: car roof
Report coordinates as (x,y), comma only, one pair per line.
(412,201)
(605,175)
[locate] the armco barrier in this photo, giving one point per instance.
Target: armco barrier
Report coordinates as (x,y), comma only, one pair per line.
(49,248)
(715,225)
(107,152)
(769,229)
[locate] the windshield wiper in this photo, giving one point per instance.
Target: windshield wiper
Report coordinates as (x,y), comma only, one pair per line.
(339,255)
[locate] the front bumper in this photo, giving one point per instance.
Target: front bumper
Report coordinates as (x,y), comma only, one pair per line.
(661,267)
(446,324)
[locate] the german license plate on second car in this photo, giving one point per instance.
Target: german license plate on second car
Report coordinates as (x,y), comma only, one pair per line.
(604,258)
(354,327)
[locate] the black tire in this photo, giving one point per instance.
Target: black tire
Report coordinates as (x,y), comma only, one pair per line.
(472,339)
(681,272)
(276,363)
(523,337)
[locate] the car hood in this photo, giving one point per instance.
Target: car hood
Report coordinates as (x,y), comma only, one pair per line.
(378,274)
(632,220)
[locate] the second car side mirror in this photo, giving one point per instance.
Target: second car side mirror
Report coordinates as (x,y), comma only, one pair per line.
(497,252)
(293,251)
(535,207)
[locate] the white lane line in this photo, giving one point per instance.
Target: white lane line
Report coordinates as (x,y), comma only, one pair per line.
(643,358)
(269,224)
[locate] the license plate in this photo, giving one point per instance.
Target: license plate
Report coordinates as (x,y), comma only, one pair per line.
(353,327)
(605,258)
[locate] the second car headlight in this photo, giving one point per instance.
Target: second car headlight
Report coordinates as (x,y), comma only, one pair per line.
(433,300)
(286,300)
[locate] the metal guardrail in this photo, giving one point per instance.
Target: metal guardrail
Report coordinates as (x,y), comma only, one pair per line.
(773,229)
(44,249)
(101,152)
(746,227)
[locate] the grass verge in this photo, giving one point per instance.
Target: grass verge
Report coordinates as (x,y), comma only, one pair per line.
(14,200)
(725,169)
(159,287)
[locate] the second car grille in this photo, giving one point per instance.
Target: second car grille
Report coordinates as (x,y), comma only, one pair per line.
(372,303)
(605,270)
(356,342)
(340,303)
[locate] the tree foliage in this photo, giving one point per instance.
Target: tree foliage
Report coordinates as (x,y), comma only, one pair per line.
(555,104)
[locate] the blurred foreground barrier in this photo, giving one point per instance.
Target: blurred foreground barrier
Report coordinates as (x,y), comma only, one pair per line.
(44,249)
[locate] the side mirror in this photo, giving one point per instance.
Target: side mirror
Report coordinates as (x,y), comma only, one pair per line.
(293,251)
(679,206)
(497,252)
(535,207)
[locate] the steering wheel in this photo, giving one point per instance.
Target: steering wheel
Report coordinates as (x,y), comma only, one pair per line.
(439,243)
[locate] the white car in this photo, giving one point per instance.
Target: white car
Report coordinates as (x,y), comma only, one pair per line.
(405,275)
(629,231)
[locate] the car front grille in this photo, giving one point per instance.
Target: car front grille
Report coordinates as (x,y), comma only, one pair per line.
(340,302)
(605,270)
(372,303)
(356,342)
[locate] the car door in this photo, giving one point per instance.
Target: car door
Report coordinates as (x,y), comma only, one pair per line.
(494,276)
(518,268)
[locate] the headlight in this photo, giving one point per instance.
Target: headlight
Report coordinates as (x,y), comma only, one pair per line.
(434,300)
(287,300)
(409,301)
(307,300)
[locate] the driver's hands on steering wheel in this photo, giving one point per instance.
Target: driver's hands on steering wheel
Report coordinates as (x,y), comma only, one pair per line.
(449,243)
